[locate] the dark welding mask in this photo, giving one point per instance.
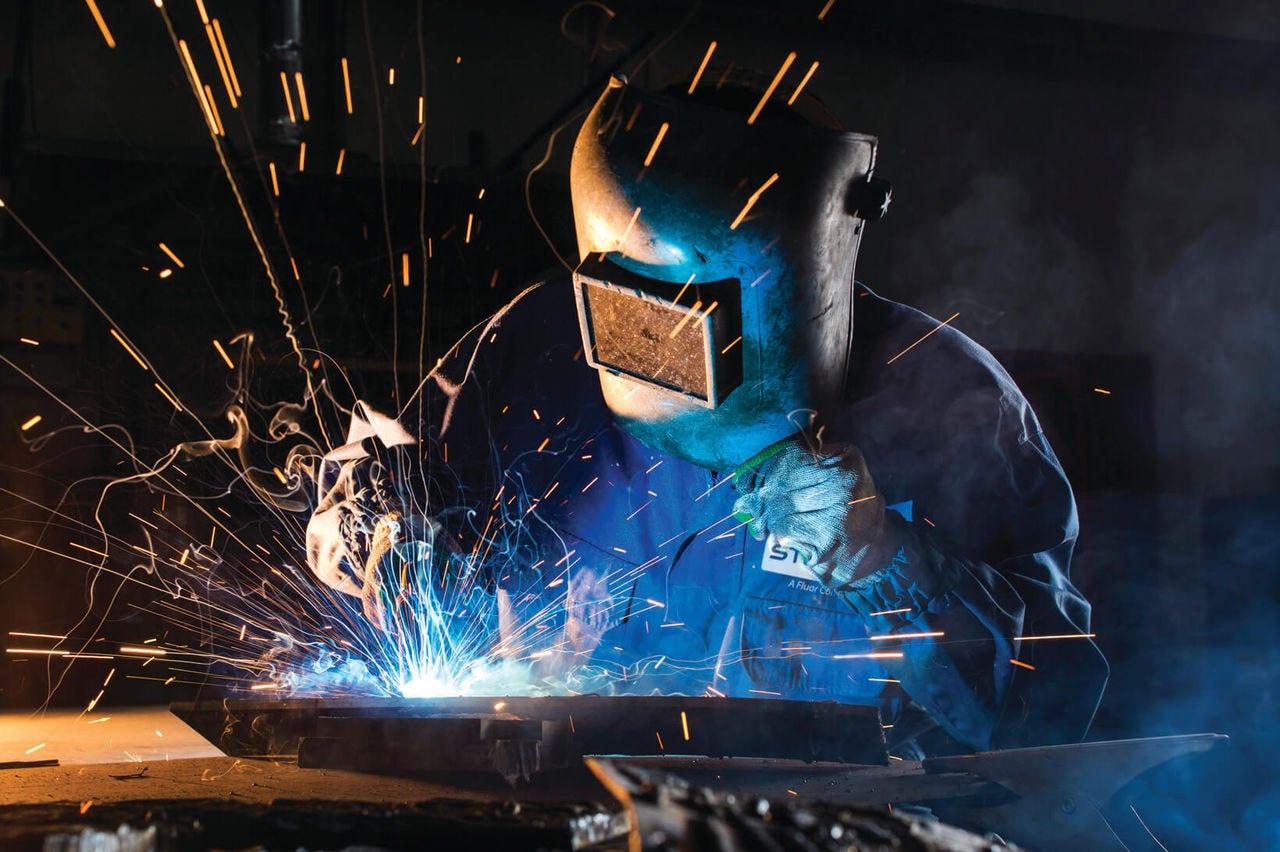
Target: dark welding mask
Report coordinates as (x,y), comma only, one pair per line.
(715,291)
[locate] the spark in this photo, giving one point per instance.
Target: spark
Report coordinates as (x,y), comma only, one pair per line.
(222,65)
(626,232)
(404,268)
(892,611)
(862,499)
(176,260)
(342,155)
(36,748)
(470,219)
(346,85)
(764,692)
(302,96)
(36,635)
(735,342)
(676,301)
(52,652)
(498,707)
(660,745)
(1149,832)
(711,48)
(185,52)
(422,108)
(814,67)
(226,57)
(204,15)
(922,635)
(102,24)
(288,97)
(884,680)
(657,140)
(768,93)
(166,272)
(31,423)
(923,339)
(302,156)
(755,196)
(589,484)
(826,9)
(684,724)
(223,353)
(874,655)
(792,792)
(167,396)
(638,511)
(129,349)
(213,110)
(98,721)
(543,445)
(391,76)
(1058,636)
(28,341)
(1023,665)
(1102,391)
(275,181)
(149,652)
(689,314)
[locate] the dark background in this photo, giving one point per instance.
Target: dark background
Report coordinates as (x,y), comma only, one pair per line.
(1096,190)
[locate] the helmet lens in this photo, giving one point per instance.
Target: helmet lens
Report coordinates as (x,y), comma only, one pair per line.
(681,338)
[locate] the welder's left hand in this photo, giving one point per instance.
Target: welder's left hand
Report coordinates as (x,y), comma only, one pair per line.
(822,503)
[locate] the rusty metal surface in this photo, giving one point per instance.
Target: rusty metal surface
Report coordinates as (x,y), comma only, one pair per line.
(626,725)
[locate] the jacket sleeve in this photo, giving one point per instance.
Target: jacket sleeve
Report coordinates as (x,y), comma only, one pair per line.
(982,568)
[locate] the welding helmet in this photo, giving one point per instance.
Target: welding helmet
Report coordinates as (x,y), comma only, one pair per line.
(715,288)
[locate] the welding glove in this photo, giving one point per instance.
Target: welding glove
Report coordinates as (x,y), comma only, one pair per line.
(824,504)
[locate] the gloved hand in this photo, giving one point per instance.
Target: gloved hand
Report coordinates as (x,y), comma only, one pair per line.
(822,503)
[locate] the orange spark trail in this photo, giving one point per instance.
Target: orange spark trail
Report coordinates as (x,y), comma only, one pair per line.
(703,67)
(657,140)
(768,93)
(923,339)
(814,67)
(751,202)
(102,24)
(346,84)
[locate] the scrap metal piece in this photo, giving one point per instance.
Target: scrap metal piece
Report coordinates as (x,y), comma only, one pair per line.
(670,813)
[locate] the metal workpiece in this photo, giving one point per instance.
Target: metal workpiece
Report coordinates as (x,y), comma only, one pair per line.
(450,733)
(698,759)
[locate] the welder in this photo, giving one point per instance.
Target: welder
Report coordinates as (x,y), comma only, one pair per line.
(697,474)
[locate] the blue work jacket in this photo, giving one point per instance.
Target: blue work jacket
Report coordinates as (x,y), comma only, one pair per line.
(585,529)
